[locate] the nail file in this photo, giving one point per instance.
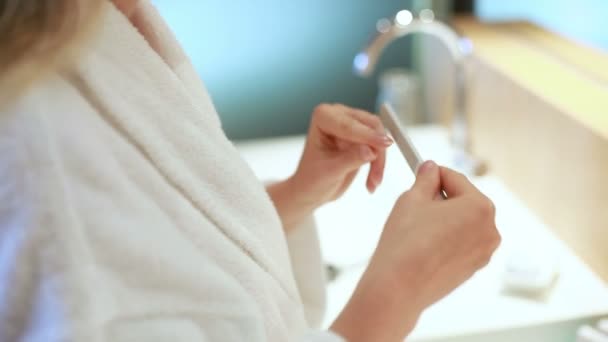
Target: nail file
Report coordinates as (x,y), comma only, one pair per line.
(391,122)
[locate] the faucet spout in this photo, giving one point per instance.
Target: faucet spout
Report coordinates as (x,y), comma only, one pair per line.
(459,49)
(366,61)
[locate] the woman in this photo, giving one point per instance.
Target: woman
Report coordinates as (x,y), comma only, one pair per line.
(126,215)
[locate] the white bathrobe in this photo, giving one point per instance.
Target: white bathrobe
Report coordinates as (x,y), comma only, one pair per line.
(126,214)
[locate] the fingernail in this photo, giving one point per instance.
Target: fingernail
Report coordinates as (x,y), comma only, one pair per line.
(427,166)
(378,180)
(374,187)
(367,154)
(384,140)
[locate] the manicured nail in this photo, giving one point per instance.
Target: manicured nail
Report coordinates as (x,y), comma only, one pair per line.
(384,140)
(377,180)
(367,154)
(427,166)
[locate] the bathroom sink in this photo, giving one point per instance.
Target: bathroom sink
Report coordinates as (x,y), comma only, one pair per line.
(481,309)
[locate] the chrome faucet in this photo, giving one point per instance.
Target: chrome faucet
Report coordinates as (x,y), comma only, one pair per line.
(459,49)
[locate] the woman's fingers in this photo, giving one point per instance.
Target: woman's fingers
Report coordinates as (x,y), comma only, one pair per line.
(357,127)
(366,118)
(351,159)
(342,122)
(376,171)
(455,184)
(428,181)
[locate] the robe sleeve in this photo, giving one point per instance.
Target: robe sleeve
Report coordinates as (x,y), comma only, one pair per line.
(305,254)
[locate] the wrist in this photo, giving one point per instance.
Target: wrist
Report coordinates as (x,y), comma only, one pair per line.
(291,206)
(303,192)
(381,309)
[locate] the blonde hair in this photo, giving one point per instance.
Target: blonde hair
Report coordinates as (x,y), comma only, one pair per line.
(37,36)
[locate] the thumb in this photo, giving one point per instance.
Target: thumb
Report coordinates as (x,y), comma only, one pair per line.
(428,180)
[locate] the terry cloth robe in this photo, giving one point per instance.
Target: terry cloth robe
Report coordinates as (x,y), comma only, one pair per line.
(127,215)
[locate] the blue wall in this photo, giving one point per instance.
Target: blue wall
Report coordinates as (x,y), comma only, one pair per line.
(267,63)
(583,20)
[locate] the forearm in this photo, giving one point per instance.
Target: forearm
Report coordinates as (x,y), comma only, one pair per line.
(291,204)
(379,310)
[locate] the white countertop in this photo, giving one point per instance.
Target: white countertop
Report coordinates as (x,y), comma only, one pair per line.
(350,227)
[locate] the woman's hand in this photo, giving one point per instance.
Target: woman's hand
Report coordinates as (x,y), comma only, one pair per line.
(340,140)
(429,246)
